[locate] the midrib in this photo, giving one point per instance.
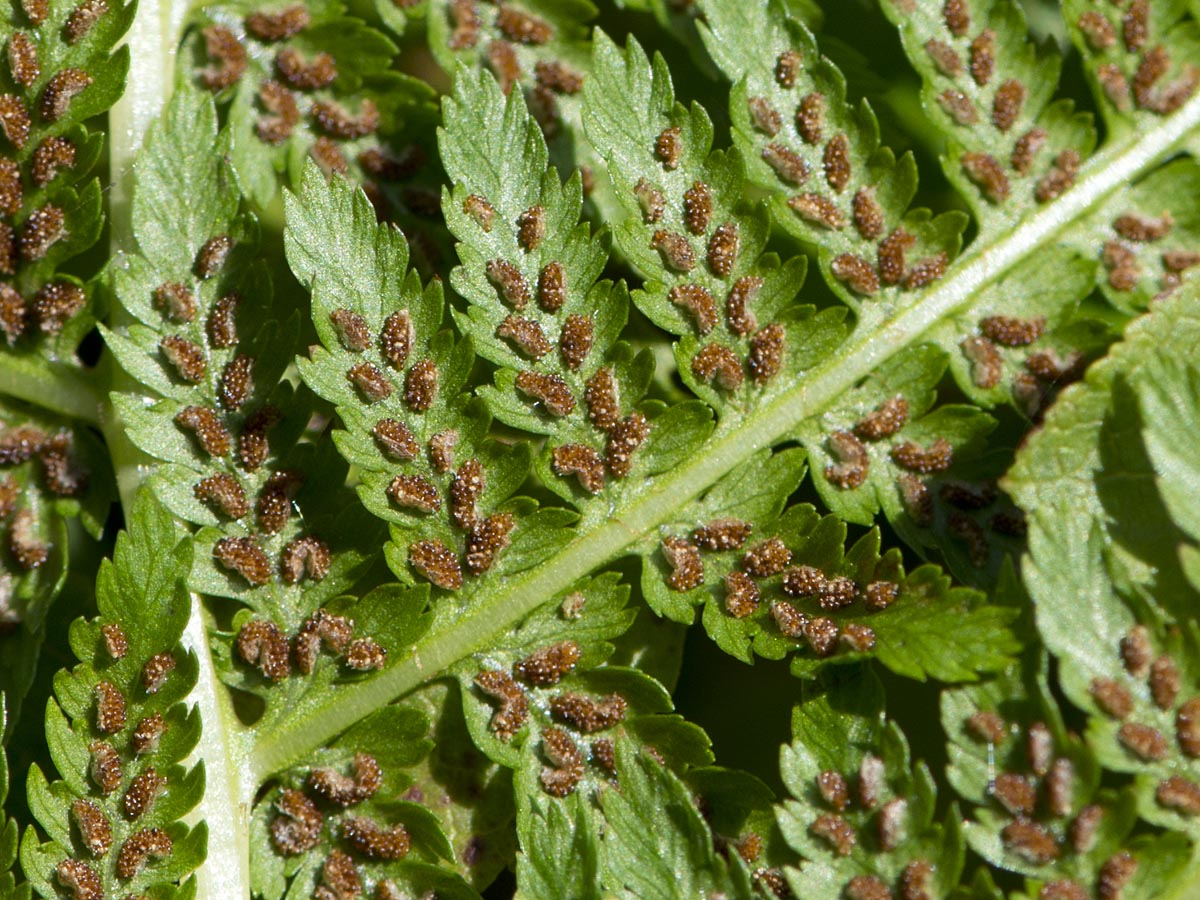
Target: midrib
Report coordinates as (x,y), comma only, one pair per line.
(1116,166)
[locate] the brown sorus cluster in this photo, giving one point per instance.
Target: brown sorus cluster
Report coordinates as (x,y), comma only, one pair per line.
(958,106)
(253,445)
(548,665)
(740,318)
(105,766)
(237,382)
(297,828)
(223,47)
(521,27)
(987,365)
(589,714)
(742,594)
(321,629)
(957,17)
(365,655)
(856,273)
(582,461)
(94,827)
(374,841)
(415,492)
(371,383)
(222,321)
(883,421)
(1010,331)
(351,329)
(766,357)
(575,340)
(262,643)
(395,439)
(765,117)
(687,567)
(937,457)
(514,704)
(187,358)
(699,302)
(697,207)
(339,879)
(142,793)
(311,75)
(766,558)
(676,252)
(278,26)
(81,878)
(421,385)
(507,278)
(14,120)
(140,848)
(110,707)
(788,165)
(567,761)
(526,334)
(988,175)
(836,162)
(1060,177)
(336,122)
(44,227)
(651,200)
(480,210)
(722,534)
(853,461)
(668,146)
(347,790)
(156,671)
(552,287)
(63,87)
(531,228)
(1031,841)
(244,556)
(818,210)
(723,249)
(836,832)
(1026,149)
(115,641)
(486,539)
(23,59)
(548,388)
(437,563)
(1007,104)
(210,432)
(147,733)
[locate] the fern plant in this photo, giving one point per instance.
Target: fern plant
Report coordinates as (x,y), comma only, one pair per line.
(427,403)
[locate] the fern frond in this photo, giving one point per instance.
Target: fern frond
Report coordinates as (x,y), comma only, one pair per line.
(1138,59)
(529,270)
(1034,789)
(1126,641)
(541,47)
(54,471)
(1044,148)
(118,731)
(989,89)
(313,82)
(862,814)
(208,357)
(62,71)
(831,182)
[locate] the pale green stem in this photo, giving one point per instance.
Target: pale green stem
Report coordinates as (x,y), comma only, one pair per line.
(1116,167)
